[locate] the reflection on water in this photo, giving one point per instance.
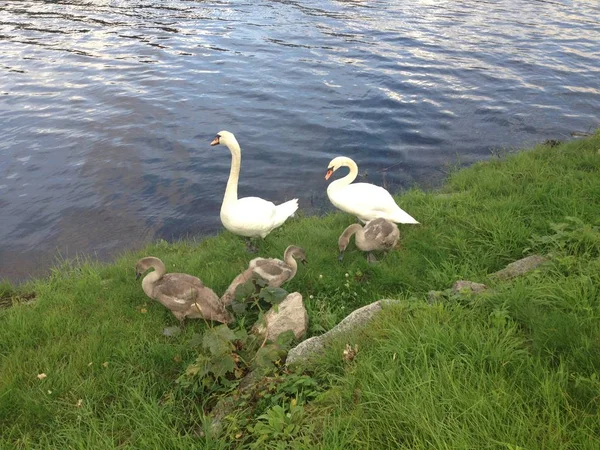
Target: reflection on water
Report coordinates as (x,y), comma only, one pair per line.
(107,108)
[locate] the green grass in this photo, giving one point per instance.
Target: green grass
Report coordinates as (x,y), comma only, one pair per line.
(516,368)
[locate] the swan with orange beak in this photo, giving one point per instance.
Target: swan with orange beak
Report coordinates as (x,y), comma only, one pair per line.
(364,200)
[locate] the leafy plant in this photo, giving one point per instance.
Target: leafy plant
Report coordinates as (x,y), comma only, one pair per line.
(571,237)
(268,356)
(220,365)
(255,293)
(228,355)
(281,426)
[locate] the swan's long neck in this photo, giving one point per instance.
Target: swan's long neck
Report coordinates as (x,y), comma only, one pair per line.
(343,182)
(234,174)
(290,261)
(153,277)
(358,231)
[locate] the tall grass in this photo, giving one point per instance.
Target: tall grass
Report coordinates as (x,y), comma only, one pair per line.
(512,369)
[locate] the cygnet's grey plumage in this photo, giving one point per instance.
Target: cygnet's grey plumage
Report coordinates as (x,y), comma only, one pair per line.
(377,235)
(274,272)
(184,295)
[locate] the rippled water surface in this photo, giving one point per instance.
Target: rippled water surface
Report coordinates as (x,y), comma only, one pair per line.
(107,108)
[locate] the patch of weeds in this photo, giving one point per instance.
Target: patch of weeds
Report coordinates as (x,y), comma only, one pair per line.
(255,293)
(228,355)
(9,296)
(349,292)
(220,364)
(583,391)
(281,427)
(285,387)
(269,403)
(571,237)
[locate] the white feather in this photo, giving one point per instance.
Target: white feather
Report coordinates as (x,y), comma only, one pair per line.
(249,216)
(365,201)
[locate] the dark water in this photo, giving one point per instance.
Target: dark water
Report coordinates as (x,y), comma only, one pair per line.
(107,108)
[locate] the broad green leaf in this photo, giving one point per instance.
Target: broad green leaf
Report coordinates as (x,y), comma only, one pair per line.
(273,296)
(218,340)
(245,290)
(285,339)
(222,366)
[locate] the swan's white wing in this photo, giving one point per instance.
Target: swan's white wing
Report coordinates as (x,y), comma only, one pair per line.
(363,200)
(249,216)
(367,202)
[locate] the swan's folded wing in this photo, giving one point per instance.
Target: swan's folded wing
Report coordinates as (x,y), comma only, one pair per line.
(258,262)
(379,229)
(180,285)
(274,274)
(182,278)
(252,212)
(359,198)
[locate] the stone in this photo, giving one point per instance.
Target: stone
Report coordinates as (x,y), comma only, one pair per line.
(520,267)
(464,286)
(290,314)
(355,320)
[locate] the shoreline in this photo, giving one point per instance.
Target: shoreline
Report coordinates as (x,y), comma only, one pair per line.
(35,265)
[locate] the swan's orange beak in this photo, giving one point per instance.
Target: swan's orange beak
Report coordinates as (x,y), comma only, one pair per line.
(328,174)
(215,141)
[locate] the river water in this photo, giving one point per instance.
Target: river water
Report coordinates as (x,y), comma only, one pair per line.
(107,108)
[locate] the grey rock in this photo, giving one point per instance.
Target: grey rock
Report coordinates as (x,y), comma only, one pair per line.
(462,286)
(520,267)
(355,320)
(171,331)
(290,314)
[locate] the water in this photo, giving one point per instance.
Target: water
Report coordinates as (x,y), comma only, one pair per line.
(107,108)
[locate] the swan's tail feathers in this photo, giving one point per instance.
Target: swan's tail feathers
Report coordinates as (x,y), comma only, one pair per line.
(403,217)
(284,211)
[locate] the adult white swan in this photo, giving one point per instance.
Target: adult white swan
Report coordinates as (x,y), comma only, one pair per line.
(248,216)
(365,201)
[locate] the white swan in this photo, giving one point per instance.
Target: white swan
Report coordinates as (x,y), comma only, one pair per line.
(365,201)
(248,216)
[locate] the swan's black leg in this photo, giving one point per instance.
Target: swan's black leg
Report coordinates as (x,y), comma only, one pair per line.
(371,258)
(250,246)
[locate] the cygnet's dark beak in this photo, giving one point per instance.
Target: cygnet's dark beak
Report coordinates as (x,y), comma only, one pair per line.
(328,174)
(341,256)
(137,275)
(216,140)
(304,261)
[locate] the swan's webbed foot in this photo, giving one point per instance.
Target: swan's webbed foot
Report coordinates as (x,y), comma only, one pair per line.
(371,258)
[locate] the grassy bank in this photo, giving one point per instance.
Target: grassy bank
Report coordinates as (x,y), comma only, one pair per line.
(516,368)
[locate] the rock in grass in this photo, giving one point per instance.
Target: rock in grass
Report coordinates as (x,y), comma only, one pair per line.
(520,267)
(171,331)
(355,320)
(290,314)
(470,287)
